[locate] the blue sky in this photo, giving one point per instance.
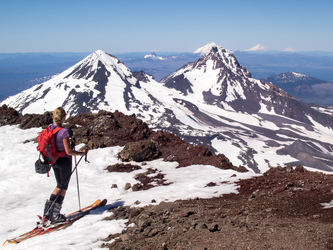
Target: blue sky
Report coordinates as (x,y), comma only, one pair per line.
(163,25)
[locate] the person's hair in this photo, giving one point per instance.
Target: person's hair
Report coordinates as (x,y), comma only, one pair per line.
(58,115)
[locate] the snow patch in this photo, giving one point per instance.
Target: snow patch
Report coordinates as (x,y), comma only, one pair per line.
(24,192)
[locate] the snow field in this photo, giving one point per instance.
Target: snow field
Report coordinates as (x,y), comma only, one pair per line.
(24,192)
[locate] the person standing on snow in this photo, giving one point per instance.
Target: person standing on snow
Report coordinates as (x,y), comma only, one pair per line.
(62,169)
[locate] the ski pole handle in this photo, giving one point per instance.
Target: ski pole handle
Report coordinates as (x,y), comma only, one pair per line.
(85,151)
(72,142)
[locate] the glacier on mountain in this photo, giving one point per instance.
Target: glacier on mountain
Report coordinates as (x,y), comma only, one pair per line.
(213,102)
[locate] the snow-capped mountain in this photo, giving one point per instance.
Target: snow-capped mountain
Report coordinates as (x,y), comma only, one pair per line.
(306,88)
(219,80)
(153,56)
(82,88)
(293,78)
(205,49)
(288,50)
(213,101)
(258,47)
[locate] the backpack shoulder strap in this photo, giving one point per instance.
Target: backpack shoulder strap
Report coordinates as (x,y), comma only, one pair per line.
(55,130)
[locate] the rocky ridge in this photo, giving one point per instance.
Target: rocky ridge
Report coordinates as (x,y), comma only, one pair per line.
(106,129)
(283,203)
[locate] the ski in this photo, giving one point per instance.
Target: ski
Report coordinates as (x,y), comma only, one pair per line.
(41,229)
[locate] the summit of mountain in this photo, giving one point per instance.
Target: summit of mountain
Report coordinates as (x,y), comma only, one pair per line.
(218,79)
(258,47)
(205,49)
(81,88)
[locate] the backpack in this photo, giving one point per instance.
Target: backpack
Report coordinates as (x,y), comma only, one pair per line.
(47,147)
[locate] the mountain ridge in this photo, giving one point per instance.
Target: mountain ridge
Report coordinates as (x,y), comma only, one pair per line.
(212,102)
(303,87)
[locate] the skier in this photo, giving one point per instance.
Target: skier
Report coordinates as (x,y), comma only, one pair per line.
(62,169)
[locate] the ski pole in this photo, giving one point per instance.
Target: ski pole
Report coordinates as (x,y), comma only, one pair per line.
(69,178)
(78,186)
(77,177)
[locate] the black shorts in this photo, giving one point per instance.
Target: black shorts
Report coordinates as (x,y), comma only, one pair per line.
(62,169)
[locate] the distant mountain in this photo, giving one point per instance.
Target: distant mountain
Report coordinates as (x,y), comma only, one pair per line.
(81,88)
(288,50)
(17,70)
(293,78)
(306,88)
(153,56)
(218,79)
(205,49)
(262,65)
(258,47)
(156,64)
(212,101)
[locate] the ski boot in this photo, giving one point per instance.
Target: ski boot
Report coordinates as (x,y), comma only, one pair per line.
(55,216)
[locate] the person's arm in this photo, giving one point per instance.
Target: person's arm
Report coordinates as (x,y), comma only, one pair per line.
(69,149)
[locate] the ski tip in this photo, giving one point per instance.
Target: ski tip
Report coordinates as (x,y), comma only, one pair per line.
(97,202)
(103,202)
(100,203)
(7,242)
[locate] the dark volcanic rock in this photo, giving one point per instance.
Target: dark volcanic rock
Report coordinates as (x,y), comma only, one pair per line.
(106,129)
(284,203)
(122,168)
(8,116)
(33,120)
(141,76)
(173,148)
(139,151)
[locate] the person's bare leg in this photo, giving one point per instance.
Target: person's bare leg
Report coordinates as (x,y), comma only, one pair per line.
(57,190)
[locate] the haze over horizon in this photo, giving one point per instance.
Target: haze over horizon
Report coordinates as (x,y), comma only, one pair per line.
(163,26)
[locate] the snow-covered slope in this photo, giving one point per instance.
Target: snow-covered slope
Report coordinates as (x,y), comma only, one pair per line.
(259,111)
(219,80)
(23,192)
(213,101)
(96,82)
(205,49)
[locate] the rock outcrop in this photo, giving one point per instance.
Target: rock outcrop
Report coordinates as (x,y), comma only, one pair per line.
(106,129)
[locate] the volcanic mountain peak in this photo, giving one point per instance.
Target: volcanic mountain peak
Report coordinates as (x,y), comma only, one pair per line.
(224,58)
(289,75)
(293,78)
(258,47)
(215,77)
(288,50)
(205,49)
(217,60)
(153,56)
(94,83)
(96,62)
